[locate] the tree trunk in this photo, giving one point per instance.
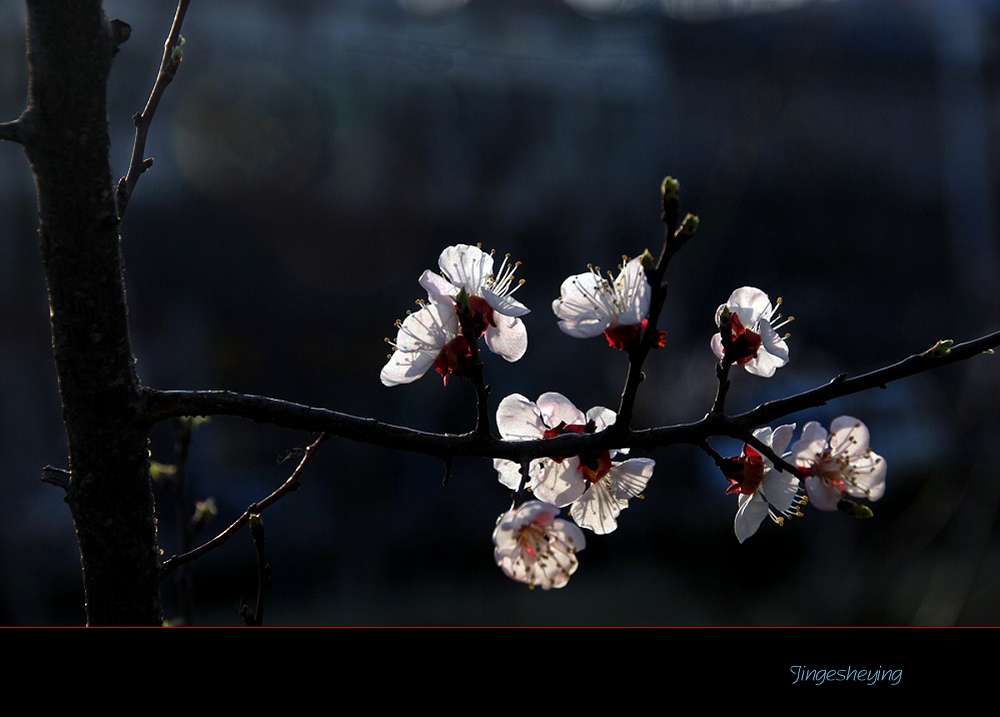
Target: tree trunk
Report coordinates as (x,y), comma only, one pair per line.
(64,131)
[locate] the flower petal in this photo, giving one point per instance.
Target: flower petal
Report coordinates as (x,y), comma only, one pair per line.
(505,304)
(597,510)
(559,482)
(749,515)
(467,266)
(519,419)
(421,336)
(581,313)
(555,408)
(508,339)
(438,288)
(634,289)
(823,495)
(629,478)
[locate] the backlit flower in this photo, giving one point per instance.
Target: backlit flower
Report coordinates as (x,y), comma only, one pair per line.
(750,323)
(590,304)
(553,480)
(840,463)
(596,487)
(426,338)
(610,488)
(534,546)
(493,311)
(762,489)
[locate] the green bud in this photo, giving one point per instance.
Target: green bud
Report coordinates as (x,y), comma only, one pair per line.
(648,261)
(855,510)
(941,348)
(689,225)
(177,54)
(204,511)
(670,189)
(161,472)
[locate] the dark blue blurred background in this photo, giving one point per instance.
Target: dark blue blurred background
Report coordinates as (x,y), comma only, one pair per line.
(313,158)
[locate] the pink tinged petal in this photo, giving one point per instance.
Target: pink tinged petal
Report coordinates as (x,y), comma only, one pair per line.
(437,286)
(716,345)
(597,510)
(555,408)
(519,419)
(508,339)
(420,338)
(749,515)
(823,495)
(559,482)
(467,266)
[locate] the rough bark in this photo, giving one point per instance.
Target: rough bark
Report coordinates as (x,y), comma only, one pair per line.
(65,135)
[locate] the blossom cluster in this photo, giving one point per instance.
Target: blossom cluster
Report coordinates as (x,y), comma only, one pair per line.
(533,543)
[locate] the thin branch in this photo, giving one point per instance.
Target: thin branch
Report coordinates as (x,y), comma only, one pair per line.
(168,68)
(290,484)
(941,354)
(255,618)
(162,405)
(675,236)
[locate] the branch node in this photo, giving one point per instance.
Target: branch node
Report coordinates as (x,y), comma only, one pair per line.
(59,477)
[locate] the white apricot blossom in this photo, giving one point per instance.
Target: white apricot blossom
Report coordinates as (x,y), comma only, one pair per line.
(426,338)
(753,339)
(533,545)
(590,304)
(492,307)
(839,463)
(520,419)
(762,489)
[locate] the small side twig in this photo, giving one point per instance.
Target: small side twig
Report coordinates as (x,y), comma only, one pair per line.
(255,618)
(290,484)
(168,68)
(11,131)
(59,477)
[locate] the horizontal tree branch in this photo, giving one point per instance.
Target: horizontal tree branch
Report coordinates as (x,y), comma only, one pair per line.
(162,405)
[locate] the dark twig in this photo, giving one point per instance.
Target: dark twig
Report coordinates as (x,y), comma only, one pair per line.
(255,618)
(168,68)
(184,429)
(290,484)
(675,236)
